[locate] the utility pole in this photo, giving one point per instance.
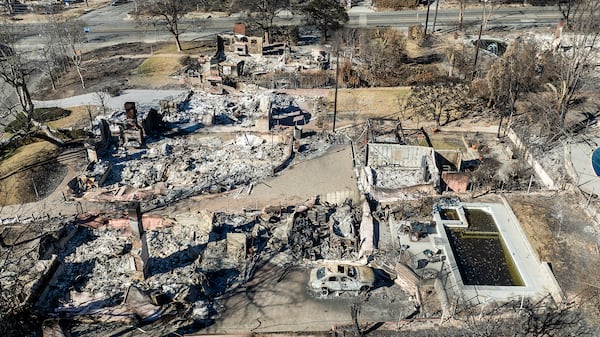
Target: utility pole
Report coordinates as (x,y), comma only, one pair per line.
(337,71)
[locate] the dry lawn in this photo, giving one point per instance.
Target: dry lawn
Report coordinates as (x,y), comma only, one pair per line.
(189,48)
(26,155)
(370,102)
(558,231)
(413,50)
(78,118)
(156,70)
(74,11)
(16,188)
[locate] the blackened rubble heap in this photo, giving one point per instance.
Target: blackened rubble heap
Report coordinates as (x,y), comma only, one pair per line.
(326,232)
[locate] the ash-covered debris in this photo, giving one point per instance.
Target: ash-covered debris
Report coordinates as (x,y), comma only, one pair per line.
(285,111)
(306,238)
(94,261)
(208,109)
(344,221)
(325,232)
(312,145)
(446,202)
(27,260)
(191,261)
(392,177)
(174,163)
(200,163)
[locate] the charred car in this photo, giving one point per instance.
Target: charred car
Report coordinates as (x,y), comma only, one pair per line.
(341,277)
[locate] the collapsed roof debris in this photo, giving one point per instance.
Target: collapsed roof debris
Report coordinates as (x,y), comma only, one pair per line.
(199,163)
(176,164)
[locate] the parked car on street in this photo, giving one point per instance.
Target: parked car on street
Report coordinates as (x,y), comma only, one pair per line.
(341,277)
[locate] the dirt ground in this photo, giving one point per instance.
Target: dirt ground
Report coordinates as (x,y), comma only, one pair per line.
(124,66)
(563,235)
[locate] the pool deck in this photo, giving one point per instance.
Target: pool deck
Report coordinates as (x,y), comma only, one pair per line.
(580,155)
(537,276)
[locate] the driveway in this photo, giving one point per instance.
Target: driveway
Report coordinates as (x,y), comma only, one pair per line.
(149,98)
(278,300)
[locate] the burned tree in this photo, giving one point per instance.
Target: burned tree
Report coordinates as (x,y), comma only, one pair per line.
(263,12)
(70,36)
(462,5)
(510,77)
(460,57)
(572,63)
(326,15)
(526,318)
(569,8)
(384,52)
(439,100)
(166,13)
(15,69)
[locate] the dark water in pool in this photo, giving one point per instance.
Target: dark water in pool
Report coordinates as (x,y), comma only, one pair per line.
(449,214)
(480,253)
(480,221)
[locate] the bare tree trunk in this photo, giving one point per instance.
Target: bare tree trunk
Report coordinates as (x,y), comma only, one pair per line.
(500,125)
(80,76)
(8,4)
(50,71)
(437,5)
(461,14)
(26,104)
(427,17)
(179,48)
(478,42)
(77,62)
(354,309)
(25,101)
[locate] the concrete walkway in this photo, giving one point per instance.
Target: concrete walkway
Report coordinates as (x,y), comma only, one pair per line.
(142,97)
(580,156)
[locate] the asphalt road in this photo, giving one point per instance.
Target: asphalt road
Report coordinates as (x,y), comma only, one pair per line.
(112,24)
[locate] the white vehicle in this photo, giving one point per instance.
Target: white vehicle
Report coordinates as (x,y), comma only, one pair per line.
(341,277)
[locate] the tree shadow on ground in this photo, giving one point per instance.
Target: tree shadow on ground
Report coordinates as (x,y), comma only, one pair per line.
(182,258)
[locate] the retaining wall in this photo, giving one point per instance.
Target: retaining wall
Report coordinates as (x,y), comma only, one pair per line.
(537,167)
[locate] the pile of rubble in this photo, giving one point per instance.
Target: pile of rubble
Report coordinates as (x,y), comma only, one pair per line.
(194,163)
(210,109)
(326,232)
(202,164)
(189,261)
(25,265)
(391,177)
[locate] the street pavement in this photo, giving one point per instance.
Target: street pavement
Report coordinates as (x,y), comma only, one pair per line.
(112,24)
(150,98)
